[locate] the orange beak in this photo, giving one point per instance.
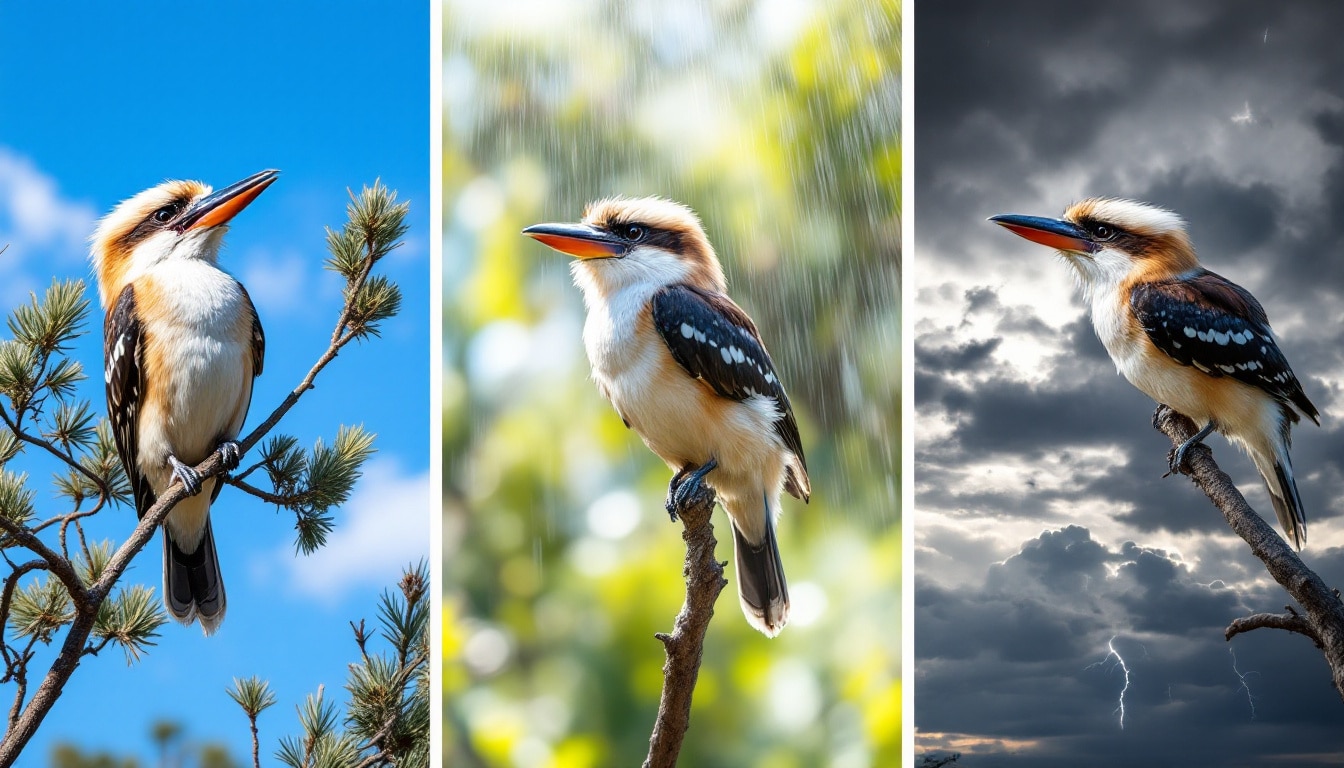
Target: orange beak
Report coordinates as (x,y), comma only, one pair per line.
(221,206)
(1053,233)
(579,240)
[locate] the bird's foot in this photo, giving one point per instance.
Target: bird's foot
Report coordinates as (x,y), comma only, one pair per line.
(190,479)
(231,454)
(684,484)
(670,503)
(1176,458)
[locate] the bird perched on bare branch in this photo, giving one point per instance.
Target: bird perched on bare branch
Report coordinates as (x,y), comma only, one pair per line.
(182,344)
(685,368)
(1186,337)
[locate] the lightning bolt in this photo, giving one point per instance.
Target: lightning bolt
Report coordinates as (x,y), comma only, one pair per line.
(1119,662)
(1242,677)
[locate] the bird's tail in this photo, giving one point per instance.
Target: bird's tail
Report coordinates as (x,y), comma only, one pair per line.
(192,585)
(761,587)
(1277,471)
(1287,504)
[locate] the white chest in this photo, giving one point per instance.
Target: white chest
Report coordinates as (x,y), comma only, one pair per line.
(198,336)
(625,354)
(1112,321)
(197,312)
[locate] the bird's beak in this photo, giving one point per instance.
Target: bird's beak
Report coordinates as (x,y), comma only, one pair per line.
(220,206)
(1053,233)
(579,240)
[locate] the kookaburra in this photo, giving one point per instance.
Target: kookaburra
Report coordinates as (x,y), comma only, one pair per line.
(1186,337)
(182,344)
(686,369)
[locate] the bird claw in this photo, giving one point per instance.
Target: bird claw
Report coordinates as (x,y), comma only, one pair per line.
(190,479)
(670,503)
(685,484)
(1177,463)
(230,454)
(1173,463)
(1176,457)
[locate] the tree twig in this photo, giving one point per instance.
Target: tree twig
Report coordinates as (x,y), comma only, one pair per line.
(685,646)
(1323,621)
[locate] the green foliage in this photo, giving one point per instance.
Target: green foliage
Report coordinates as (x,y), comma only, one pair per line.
(98,459)
(173,746)
(253,694)
(16,500)
(49,326)
(9,446)
(131,619)
(377,686)
(16,372)
(376,223)
(310,484)
(387,719)
(72,426)
(377,300)
(40,607)
(28,375)
(71,756)
(89,565)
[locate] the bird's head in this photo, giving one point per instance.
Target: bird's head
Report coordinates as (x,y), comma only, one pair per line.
(174,220)
(1110,241)
(621,243)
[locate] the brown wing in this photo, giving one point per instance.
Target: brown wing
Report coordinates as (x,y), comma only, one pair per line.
(258,338)
(1209,322)
(715,341)
(123,356)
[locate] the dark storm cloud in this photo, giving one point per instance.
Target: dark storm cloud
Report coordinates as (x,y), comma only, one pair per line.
(1226,218)
(1022,108)
(1006,95)
(1012,659)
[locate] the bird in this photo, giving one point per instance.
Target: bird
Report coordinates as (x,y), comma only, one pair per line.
(1185,336)
(685,367)
(182,344)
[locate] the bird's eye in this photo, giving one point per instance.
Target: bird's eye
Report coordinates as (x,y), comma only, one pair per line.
(166,213)
(1103,232)
(634,233)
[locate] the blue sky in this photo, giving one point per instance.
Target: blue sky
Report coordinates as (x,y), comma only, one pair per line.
(99,103)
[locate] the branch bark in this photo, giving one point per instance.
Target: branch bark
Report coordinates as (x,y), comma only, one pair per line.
(685,646)
(1323,621)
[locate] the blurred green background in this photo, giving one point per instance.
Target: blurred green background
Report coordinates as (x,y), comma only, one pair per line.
(779,122)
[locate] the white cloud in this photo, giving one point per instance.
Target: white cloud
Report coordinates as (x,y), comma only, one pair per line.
(276,281)
(38,228)
(383,528)
(33,213)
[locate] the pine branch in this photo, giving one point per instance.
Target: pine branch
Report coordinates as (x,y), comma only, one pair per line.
(387,725)
(1324,619)
(685,646)
(254,695)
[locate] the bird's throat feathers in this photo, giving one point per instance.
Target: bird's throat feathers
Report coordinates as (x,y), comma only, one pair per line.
(124,249)
(634,276)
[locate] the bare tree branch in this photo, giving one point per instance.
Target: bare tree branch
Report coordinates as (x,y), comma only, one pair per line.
(1324,618)
(685,646)
(1291,622)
